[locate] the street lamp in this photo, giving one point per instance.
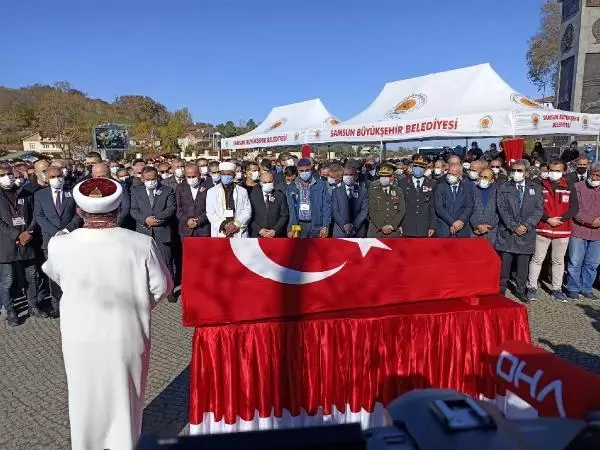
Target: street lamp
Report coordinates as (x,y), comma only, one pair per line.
(217,138)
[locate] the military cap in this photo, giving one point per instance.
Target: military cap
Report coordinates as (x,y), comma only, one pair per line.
(386,170)
(421,161)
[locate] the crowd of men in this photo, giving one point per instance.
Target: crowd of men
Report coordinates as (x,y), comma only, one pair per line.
(524,209)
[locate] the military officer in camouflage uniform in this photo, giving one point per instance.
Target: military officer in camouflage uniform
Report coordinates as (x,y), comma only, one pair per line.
(420,219)
(386,205)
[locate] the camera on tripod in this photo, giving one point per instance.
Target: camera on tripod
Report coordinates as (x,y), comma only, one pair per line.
(428,419)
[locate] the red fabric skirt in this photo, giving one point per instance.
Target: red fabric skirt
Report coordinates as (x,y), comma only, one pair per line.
(356,358)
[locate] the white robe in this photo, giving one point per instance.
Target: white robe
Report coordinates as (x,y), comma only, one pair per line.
(215,210)
(111,279)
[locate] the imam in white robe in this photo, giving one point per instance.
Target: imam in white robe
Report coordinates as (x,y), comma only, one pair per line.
(111,279)
(216,211)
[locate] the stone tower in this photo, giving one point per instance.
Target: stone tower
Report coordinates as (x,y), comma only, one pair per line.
(579,75)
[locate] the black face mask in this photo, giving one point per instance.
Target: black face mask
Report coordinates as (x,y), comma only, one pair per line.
(369,167)
(581,170)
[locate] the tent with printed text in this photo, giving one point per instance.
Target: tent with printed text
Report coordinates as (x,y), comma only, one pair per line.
(293,124)
(470,102)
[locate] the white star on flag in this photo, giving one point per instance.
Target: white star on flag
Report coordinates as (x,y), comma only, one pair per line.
(367,244)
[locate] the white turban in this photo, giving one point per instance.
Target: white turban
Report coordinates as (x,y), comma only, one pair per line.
(227,166)
(99,196)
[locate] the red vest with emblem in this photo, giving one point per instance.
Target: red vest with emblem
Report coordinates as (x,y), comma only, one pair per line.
(556,204)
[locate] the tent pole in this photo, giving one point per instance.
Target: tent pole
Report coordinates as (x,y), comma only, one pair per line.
(597,143)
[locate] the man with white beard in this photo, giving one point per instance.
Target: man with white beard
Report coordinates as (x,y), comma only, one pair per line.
(105,317)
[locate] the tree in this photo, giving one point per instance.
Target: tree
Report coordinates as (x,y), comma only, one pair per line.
(229,129)
(250,125)
(543,56)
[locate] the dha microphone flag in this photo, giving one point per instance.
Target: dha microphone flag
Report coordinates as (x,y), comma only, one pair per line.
(260,279)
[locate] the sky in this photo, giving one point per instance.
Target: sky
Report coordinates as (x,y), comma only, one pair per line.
(236,59)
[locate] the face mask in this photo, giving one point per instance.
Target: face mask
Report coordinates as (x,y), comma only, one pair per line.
(19,181)
(385,181)
(238,176)
(473,175)
(114,170)
(484,184)
(466,165)
(544,175)
(496,170)
(452,179)
(518,177)
(537,164)
(123,178)
(418,172)
(305,176)
(289,162)
(203,170)
(226,179)
(278,169)
(581,170)
(64,171)
(57,183)
(151,184)
(593,183)
(193,182)
(216,178)
(427,173)
(331,181)
(179,172)
(164,176)
(399,172)
(372,172)
(7,181)
(438,171)
(254,175)
(555,176)
(150,164)
(348,180)
(267,188)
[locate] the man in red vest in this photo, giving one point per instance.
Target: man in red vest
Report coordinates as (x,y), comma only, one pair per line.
(560,206)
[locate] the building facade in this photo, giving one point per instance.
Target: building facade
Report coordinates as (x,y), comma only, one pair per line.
(35,143)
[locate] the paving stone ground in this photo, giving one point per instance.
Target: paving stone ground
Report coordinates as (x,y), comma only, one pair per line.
(33,395)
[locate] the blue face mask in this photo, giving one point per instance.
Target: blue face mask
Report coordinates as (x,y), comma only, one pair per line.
(305,176)
(226,179)
(278,169)
(418,172)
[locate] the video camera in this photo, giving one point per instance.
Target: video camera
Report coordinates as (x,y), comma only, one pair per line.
(428,419)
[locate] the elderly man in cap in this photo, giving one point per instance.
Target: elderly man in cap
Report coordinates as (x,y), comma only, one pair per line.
(386,205)
(228,206)
(309,203)
(105,322)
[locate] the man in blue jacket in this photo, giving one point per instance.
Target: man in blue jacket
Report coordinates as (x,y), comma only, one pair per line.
(454,204)
(309,203)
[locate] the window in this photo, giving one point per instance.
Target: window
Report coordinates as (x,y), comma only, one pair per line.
(46,145)
(32,146)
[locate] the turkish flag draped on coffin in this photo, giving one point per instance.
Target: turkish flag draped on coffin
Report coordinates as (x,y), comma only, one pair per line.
(237,280)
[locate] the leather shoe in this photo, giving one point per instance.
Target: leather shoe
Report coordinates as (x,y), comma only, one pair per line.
(12,319)
(35,312)
(172,298)
(522,297)
(54,314)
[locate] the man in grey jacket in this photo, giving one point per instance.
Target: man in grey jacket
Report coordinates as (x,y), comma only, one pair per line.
(520,208)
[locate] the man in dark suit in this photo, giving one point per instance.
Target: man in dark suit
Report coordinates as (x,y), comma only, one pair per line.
(454,204)
(581,170)
(153,209)
(420,219)
(56,214)
(350,207)
(178,174)
(191,204)
(270,211)
(17,254)
(520,207)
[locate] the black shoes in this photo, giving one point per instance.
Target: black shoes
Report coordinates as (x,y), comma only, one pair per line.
(12,319)
(172,298)
(54,314)
(35,312)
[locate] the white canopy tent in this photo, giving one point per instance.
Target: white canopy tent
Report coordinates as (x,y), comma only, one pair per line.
(470,102)
(293,124)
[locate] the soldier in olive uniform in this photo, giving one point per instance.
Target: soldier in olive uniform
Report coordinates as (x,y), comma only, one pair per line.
(420,219)
(386,205)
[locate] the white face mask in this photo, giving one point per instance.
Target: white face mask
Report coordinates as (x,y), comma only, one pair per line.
(554,175)
(267,188)
(289,162)
(537,164)
(484,184)
(372,172)
(385,181)
(193,182)
(203,170)
(238,176)
(452,179)
(349,180)
(179,172)
(123,178)
(518,177)
(399,172)
(427,172)
(7,181)
(216,178)
(593,183)
(473,175)
(254,175)
(64,171)
(438,171)
(544,175)
(114,170)
(466,165)
(19,181)
(151,184)
(331,181)
(496,170)
(57,183)
(164,176)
